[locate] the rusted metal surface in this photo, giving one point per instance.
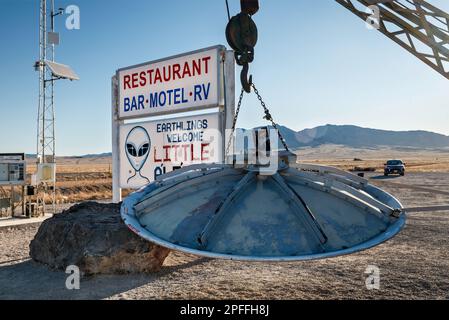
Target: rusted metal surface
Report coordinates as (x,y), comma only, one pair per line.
(296,214)
(249,6)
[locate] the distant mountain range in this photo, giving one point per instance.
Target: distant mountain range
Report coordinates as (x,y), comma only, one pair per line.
(358,137)
(90,155)
(351,136)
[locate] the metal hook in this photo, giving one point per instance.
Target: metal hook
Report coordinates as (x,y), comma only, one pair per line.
(246,82)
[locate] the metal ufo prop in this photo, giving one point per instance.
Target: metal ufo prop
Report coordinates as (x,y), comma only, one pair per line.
(301,212)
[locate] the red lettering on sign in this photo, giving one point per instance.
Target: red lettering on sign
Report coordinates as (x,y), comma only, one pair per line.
(204,151)
(126,81)
(189,152)
(167,73)
(186,71)
(134,80)
(176,69)
(196,67)
(155,158)
(175,147)
(206,62)
(185,146)
(143,79)
(192,157)
(167,151)
(150,75)
(157,77)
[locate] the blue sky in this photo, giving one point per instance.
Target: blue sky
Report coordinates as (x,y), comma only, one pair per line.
(315,63)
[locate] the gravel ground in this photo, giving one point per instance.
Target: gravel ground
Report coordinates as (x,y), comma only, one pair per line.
(413,265)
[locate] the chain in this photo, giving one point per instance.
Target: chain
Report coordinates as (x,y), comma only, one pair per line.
(234,123)
(269,117)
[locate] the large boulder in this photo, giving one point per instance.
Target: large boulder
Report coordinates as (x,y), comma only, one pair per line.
(93,237)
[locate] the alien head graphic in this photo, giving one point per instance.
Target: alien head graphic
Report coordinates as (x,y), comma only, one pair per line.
(137,147)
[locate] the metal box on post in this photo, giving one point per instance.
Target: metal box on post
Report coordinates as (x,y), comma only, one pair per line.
(12,169)
(12,174)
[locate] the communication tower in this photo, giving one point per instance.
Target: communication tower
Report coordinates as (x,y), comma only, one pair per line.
(49,72)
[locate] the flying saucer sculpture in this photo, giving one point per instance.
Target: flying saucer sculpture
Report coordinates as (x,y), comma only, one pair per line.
(300,212)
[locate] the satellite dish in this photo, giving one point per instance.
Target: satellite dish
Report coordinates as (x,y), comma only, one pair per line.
(301,212)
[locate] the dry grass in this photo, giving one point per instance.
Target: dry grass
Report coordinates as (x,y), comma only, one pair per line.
(412,165)
(80,179)
(343,158)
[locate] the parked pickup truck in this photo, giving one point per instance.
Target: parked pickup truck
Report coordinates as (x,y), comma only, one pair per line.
(394,166)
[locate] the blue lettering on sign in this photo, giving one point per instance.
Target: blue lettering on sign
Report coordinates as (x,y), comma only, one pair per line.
(184,100)
(153,100)
(134,104)
(201,92)
(169,97)
(126,105)
(141,100)
(177,96)
(162,98)
(169,94)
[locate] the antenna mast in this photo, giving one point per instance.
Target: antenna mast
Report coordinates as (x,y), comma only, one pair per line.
(49,72)
(46,114)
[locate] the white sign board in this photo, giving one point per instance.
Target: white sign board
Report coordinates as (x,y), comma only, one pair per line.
(149,149)
(12,169)
(182,83)
(12,173)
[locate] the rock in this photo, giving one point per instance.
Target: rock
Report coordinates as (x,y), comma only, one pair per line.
(93,237)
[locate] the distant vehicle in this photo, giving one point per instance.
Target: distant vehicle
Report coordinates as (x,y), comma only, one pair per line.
(394,166)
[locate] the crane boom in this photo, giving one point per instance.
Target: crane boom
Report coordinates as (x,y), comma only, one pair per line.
(416,25)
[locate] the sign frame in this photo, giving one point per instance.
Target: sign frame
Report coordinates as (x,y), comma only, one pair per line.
(225,98)
(220,96)
(12,156)
(148,165)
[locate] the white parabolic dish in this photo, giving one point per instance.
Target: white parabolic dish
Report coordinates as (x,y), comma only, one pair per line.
(300,213)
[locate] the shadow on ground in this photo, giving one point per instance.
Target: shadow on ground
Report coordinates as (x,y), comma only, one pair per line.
(382,177)
(31,280)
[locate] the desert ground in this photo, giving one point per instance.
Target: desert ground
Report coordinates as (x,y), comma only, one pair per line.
(413,265)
